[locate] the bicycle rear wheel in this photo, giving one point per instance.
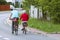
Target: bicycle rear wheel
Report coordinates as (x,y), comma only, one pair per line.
(24,31)
(16,30)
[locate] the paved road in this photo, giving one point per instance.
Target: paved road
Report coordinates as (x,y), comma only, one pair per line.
(5,31)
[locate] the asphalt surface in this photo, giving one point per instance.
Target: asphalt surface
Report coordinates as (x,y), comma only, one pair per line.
(5,31)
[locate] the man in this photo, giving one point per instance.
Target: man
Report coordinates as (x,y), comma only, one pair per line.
(24,18)
(14,14)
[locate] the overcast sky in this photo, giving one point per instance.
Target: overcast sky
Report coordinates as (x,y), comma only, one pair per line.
(13,0)
(9,0)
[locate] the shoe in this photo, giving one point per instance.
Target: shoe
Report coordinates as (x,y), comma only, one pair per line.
(12,32)
(22,29)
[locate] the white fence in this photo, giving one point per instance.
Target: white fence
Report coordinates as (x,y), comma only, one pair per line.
(34,12)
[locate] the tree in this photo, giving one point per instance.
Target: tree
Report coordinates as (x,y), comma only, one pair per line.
(55,10)
(10,3)
(16,4)
(3,2)
(36,3)
(51,7)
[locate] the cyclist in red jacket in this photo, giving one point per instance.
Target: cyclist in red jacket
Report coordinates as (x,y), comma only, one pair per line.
(24,17)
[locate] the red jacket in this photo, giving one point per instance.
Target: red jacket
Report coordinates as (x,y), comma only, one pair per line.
(24,17)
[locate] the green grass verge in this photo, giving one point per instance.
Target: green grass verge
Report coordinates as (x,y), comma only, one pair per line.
(44,25)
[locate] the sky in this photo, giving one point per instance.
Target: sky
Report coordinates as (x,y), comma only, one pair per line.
(12,0)
(9,0)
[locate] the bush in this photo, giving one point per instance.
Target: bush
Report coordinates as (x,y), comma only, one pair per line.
(56,19)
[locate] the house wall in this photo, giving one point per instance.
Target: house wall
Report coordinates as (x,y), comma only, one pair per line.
(4,7)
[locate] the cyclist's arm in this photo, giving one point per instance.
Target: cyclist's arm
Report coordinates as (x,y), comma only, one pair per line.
(21,16)
(10,16)
(27,16)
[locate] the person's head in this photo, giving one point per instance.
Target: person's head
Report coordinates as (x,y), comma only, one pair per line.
(11,9)
(24,11)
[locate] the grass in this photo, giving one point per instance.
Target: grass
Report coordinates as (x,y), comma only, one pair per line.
(44,25)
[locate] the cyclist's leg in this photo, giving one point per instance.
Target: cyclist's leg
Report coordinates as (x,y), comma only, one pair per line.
(16,27)
(12,26)
(17,24)
(24,25)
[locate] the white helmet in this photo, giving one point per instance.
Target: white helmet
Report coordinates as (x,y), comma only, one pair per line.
(24,11)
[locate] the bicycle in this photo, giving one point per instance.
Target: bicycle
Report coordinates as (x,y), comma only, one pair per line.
(15,26)
(24,27)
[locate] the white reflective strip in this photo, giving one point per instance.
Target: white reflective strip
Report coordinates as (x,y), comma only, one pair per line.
(6,38)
